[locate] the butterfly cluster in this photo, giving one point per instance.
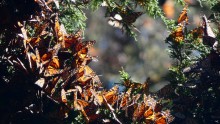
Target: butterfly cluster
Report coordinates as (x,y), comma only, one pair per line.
(196,54)
(203,34)
(58,61)
(206,66)
(180,33)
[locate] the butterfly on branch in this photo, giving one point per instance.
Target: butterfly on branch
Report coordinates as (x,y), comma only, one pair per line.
(120,17)
(197,32)
(177,35)
(125,99)
(183,16)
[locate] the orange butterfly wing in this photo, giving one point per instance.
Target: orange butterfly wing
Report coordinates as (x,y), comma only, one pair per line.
(125,98)
(178,34)
(183,16)
(53,67)
(139,112)
(86,74)
(111,96)
(71,40)
(46,56)
(161,120)
(149,112)
(33,41)
(197,32)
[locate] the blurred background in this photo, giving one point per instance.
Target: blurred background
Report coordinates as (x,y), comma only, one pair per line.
(146,57)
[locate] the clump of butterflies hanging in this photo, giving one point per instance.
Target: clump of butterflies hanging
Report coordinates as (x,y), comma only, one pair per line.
(59,63)
(189,41)
(203,33)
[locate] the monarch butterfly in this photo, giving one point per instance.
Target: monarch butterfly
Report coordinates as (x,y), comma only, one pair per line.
(96,81)
(84,44)
(149,112)
(135,85)
(46,56)
(79,104)
(183,16)
(33,41)
(52,53)
(86,94)
(124,101)
(151,118)
(111,96)
(139,112)
(149,101)
(131,17)
(125,98)
(82,53)
(122,16)
(82,50)
(53,68)
(178,34)
(85,74)
(70,40)
(140,86)
(55,63)
(197,32)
